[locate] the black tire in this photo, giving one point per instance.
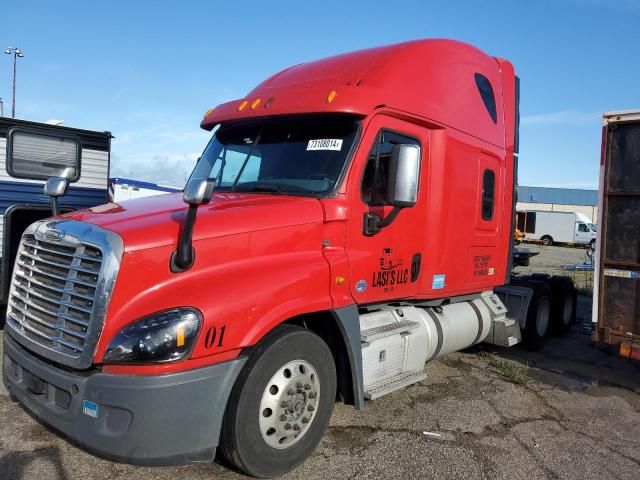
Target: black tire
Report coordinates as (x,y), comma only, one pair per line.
(592,244)
(547,241)
(563,305)
(535,333)
(242,444)
(540,277)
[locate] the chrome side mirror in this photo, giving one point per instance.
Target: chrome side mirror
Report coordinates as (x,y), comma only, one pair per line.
(402,187)
(404,176)
(54,188)
(198,191)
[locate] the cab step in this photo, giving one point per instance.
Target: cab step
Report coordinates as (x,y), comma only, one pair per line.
(382,331)
(393,384)
(504,332)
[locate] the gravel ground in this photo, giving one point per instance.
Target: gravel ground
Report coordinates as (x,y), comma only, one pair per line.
(577,416)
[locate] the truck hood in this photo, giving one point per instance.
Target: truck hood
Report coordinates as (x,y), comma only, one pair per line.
(156,221)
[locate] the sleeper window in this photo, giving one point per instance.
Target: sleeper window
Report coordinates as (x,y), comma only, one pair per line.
(488,194)
(488,98)
(374,181)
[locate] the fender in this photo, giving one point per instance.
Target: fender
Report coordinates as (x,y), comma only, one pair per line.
(348,322)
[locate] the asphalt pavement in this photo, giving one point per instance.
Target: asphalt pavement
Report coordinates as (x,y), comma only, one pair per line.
(569,411)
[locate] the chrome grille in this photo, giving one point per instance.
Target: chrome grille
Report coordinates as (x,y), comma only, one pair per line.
(60,288)
(54,291)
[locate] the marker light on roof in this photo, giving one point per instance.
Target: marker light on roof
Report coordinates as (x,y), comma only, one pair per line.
(243,105)
(268,102)
(208,112)
(331,96)
(255,103)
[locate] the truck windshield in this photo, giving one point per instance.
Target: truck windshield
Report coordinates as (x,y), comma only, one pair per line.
(293,155)
(592,227)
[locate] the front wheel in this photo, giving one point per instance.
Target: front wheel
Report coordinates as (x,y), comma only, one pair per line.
(281,403)
(547,241)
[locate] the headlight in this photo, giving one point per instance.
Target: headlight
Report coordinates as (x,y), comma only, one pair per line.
(161,337)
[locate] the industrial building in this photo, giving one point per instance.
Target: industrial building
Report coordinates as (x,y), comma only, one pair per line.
(559,200)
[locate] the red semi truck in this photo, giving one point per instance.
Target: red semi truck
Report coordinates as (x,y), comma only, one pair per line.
(315,256)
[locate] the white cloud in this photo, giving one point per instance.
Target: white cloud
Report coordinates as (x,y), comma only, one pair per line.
(169,170)
(564,117)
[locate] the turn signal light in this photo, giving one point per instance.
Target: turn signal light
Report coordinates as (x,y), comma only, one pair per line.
(243,105)
(331,96)
(255,103)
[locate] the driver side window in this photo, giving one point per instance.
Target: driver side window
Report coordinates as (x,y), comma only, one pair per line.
(376,173)
(582,227)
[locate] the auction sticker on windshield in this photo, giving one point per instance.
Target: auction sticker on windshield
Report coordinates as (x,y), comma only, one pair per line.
(325,144)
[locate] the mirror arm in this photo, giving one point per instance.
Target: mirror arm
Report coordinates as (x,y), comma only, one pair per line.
(55,210)
(373,223)
(183,258)
(385,222)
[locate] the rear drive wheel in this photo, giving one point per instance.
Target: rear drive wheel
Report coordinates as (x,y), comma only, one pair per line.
(592,244)
(538,316)
(547,241)
(281,403)
(563,304)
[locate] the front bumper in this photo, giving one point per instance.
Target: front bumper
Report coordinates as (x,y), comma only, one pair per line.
(146,420)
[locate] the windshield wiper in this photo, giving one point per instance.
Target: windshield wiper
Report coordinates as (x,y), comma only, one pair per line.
(259,187)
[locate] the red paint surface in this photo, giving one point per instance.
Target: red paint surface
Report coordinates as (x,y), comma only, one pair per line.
(263,259)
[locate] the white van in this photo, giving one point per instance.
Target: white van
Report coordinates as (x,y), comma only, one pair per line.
(556,227)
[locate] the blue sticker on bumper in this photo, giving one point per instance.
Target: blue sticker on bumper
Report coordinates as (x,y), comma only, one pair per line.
(90,408)
(438,281)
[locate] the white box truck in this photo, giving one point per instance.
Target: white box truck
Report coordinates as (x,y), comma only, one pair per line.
(556,227)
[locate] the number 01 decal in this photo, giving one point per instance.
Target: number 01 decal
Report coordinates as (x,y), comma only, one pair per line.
(212,335)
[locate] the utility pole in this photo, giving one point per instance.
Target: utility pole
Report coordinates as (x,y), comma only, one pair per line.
(15,51)
(1,108)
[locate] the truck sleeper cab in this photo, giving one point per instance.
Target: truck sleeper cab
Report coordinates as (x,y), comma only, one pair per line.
(314,256)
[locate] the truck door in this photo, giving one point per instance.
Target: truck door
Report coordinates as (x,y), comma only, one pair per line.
(385,265)
(583,233)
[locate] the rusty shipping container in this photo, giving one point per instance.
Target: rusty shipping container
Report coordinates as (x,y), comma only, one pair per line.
(616,307)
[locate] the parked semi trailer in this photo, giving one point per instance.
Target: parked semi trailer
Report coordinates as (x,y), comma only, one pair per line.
(616,296)
(31,153)
(315,256)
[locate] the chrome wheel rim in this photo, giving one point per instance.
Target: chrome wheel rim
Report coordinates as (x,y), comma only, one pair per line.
(289,404)
(542,316)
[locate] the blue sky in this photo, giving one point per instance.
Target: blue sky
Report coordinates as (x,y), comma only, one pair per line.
(147,71)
